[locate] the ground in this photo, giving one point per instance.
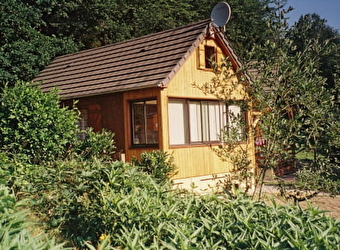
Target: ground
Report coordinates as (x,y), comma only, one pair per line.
(331,205)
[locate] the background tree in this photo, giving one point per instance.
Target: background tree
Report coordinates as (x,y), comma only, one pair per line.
(313,27)
(34,32)
(24,50)
(298,109)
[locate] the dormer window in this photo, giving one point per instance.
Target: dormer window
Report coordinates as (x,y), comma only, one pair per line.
(210,56)
(207,55)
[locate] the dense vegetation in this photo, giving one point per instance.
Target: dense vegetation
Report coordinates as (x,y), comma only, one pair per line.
(53,184)
(85,200)
(32,33)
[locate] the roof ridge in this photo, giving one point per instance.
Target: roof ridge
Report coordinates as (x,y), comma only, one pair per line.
(148,61)
(136,38)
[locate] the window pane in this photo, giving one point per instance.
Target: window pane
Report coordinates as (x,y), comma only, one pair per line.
(138,121)
(215,120)
(210,55)
(205,121)
(236,120)
(151,122)
(83,122)
(195,122)
(178,122)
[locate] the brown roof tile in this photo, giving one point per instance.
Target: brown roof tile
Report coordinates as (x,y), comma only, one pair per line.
(148,61)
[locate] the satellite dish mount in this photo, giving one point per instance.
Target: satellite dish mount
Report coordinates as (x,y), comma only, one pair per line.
(220,14)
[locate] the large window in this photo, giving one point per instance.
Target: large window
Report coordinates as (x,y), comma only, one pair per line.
(196,121)
(144,122)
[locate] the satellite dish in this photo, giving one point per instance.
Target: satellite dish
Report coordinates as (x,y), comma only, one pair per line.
(220,14)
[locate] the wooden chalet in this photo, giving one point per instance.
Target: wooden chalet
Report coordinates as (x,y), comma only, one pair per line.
(142,90)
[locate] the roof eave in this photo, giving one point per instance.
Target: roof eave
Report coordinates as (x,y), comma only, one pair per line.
(75,96)
(184,58)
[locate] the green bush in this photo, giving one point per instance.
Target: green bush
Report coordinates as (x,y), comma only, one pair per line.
(68,195)
(211,223)
(97,145)
(15,229)
(158,164)
(116,206)
(324,179)
(32,123)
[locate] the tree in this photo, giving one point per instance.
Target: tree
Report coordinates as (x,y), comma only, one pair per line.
(283,88)
(33,124)
(313,27)
(24,51)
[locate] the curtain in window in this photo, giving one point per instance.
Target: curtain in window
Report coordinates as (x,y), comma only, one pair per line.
(178,122)
(195,121)
(217,120)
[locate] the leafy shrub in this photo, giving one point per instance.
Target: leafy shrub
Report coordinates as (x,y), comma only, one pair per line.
(211,223)
(98,145)
(15,230)
(68,195)
(32,123)
(114,205)
(158,164)
(324,179)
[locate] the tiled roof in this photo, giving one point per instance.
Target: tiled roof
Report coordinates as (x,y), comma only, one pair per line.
(148,61)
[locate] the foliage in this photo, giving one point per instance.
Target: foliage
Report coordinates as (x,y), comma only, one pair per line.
(285,84)
(96,145)
(34,32)
(113,205)
(24,50)
(158,164)
(325,177)
(16,230)
(68,195)
(33,124)
(213,223)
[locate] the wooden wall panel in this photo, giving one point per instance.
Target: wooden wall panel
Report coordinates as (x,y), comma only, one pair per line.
(197,161)
(107,110)
(131,152)
(192,73)
(194,161)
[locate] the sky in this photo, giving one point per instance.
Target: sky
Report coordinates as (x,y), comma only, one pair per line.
(326,9)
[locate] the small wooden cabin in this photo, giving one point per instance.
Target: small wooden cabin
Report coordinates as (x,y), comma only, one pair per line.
(142,90)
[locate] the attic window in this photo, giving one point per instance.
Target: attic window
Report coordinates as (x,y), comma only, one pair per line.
(210,56)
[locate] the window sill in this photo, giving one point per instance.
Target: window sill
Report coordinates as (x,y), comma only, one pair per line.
(208,144)
(138,146)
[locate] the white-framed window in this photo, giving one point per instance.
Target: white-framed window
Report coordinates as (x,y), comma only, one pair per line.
(201,121)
